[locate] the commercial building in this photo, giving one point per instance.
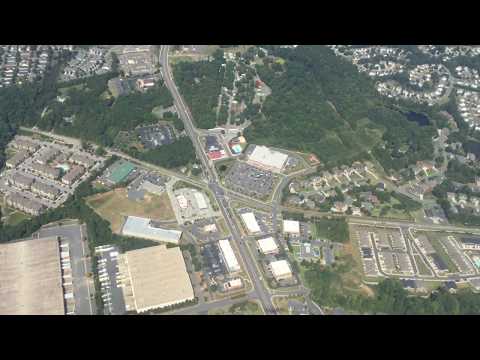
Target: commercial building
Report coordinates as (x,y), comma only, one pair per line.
(31,278)
(291,227)
(268,246)
(233,284)
(200,199)
(46,190)
(228,256)
(17,159)
(250,222)
(145,83)
(268,159)
(24,204)
(46,171)
(73,174)
(156,277)
(281,270)
(182,201)
(147,229)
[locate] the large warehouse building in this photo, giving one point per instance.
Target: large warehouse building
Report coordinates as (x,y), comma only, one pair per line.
(291,227)
(156,277)
(228,256)
(268,246)
(31,278)
(281,270)
(146,229)
(250,222)
(268,159)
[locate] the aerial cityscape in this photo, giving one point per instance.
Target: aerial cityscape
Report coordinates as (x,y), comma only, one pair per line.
(239,179)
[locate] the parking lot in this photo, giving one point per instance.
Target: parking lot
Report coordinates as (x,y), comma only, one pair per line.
(191,205)
(264,220)
(214,267)
(206,230)
(112,293)
(154,136)
(250,180)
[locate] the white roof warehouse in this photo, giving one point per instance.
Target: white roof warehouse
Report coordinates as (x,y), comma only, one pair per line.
(157,277)
(266,158)
(145,228)
(228,256)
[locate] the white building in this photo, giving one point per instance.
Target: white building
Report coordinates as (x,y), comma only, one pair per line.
(228,256)
(251,223)
(281,270)
(291,227)
(200,199)
(268,159)
(268,246)
(233,284)
(145,229)
(182,201)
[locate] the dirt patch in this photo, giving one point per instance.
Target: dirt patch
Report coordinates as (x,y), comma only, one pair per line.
(114,206)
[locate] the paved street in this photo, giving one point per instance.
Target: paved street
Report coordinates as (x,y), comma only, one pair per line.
(212,178)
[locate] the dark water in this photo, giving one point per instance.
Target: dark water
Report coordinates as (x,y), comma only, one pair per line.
(419,118)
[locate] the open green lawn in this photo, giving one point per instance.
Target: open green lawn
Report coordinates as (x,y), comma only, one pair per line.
(435,241)
(16,217)
(243,308)
(114,206)
(422,267)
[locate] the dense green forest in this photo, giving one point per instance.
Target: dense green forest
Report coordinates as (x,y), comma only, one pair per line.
(179,153)
(200,83)
(319,103)
(96,116)
(88,113)
(390,297)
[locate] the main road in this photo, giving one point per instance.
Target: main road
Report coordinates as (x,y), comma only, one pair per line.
(213,182)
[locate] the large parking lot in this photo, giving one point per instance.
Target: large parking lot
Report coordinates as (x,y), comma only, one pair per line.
(154,136)
(250,180)
(385,246)
(191,204)
(206,230)
(112,293)
(264,220)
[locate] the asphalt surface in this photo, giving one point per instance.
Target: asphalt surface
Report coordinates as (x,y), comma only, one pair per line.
(74,233)
(112,295)
(213,183)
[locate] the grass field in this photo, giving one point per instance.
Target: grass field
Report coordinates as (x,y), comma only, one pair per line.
(244,308)
(422,268)
(114,206)
(435,241)
(16,217)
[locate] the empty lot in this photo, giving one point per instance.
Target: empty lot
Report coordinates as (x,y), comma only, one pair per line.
(114,206)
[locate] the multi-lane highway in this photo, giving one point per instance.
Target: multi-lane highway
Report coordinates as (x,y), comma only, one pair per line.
(184,113)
